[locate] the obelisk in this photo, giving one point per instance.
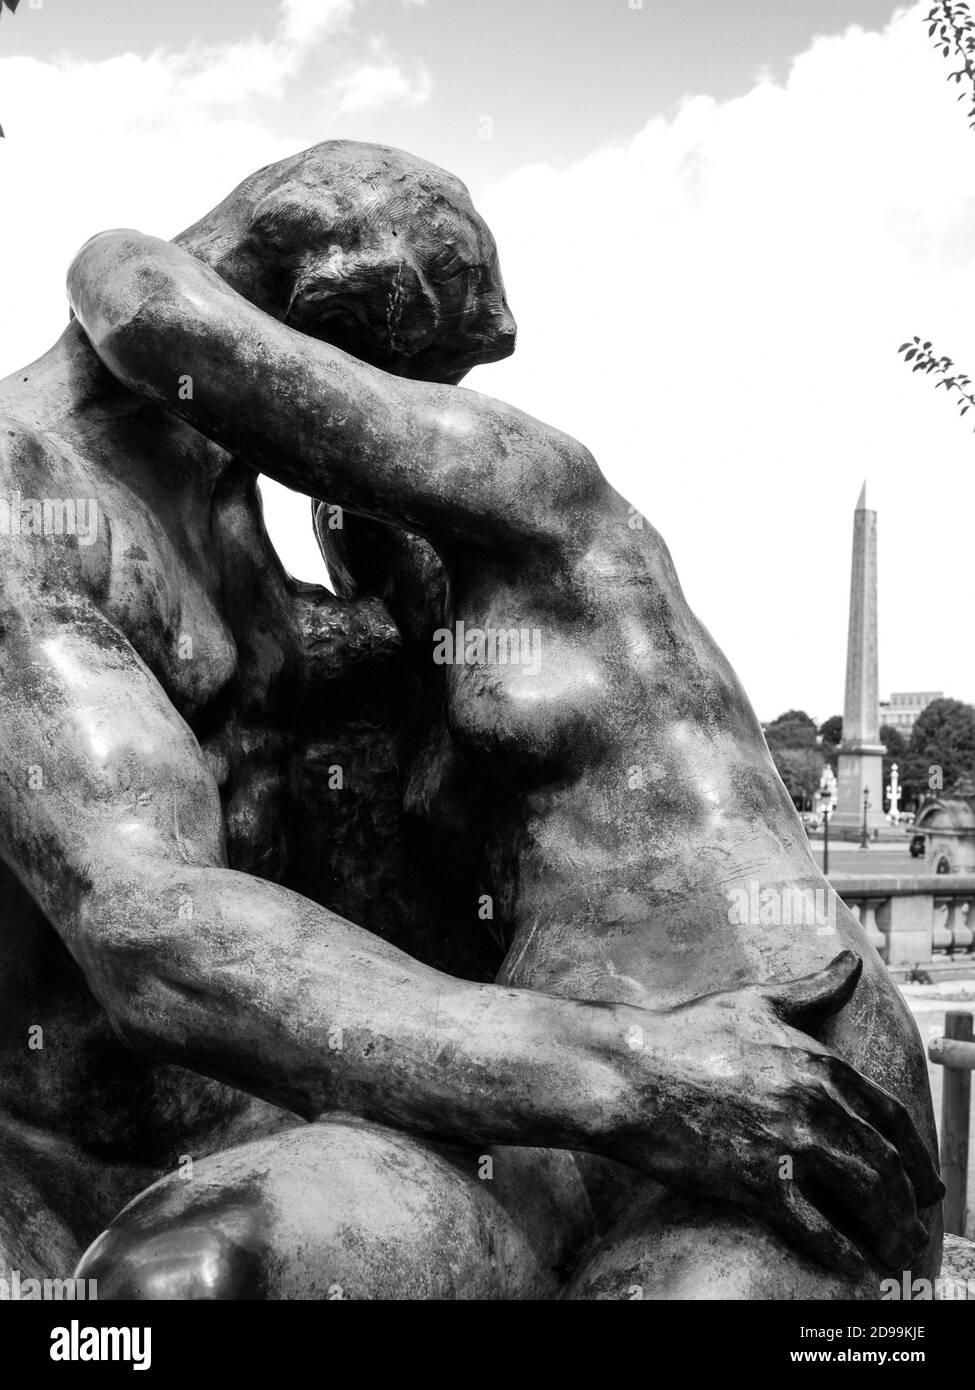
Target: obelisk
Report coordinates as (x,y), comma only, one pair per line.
(861,753)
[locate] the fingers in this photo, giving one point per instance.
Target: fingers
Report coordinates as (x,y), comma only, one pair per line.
(807,1001)
(808,1229)
(858,1181)
(887,1116)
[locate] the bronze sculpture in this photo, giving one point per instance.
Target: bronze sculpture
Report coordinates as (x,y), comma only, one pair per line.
(598,797)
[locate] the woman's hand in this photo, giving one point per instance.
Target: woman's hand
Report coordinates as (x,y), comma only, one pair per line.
(728,1099)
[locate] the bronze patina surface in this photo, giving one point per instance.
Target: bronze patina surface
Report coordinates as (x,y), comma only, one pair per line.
(268,848)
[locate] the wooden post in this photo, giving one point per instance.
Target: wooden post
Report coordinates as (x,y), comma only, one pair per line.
(956,1097)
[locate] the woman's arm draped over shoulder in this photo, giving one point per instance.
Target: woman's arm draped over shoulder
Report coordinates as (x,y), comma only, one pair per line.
(444,462)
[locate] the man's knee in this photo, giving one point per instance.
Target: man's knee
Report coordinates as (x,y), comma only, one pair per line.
(678,1249)
(320,1212)
(211,1256)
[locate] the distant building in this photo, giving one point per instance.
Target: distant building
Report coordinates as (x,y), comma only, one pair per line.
(902,710)
(948,824)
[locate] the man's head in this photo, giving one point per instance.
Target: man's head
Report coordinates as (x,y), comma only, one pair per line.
(370,249)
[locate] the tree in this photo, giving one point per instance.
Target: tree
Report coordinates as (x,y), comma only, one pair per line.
(831,731)
(800,770)
(794,729)
(941,750)
(792,742)
(795,716)
(831,736)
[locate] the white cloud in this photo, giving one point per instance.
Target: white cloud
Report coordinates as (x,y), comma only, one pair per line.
(379,84)
(714,307)
(304,21)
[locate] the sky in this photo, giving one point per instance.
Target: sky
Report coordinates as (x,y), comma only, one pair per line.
(716,223)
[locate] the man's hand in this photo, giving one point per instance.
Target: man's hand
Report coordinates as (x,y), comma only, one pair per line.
(730,1100)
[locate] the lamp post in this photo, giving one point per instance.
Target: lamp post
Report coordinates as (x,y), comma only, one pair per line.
(826,805)
(864,844)
(894,792)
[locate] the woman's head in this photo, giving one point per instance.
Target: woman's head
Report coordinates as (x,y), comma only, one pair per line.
(370,249)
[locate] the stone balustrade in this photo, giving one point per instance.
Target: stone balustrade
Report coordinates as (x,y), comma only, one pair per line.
(914,920)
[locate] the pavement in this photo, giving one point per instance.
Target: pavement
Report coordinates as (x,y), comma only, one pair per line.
(928,1004)
(884,857)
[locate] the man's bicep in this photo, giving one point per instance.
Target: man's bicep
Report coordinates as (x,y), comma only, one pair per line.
(96,764)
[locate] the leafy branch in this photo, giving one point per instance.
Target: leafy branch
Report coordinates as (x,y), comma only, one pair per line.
(955,30)
(923,360)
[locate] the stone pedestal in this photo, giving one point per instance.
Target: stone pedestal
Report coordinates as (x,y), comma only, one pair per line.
(860,765)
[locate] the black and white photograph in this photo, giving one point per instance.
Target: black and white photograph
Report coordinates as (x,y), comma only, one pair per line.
(487,701)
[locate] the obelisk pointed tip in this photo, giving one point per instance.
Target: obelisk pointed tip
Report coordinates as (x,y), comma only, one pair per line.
(862,504)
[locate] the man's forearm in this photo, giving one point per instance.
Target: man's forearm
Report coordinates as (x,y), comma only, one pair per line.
(246,981)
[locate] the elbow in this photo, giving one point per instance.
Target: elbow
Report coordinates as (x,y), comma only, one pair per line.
(136,1020)
(104,274)
(114,284)
(130,989)
(136,972)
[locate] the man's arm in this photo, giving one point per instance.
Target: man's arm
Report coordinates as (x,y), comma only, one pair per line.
(112,820)
(444,462)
